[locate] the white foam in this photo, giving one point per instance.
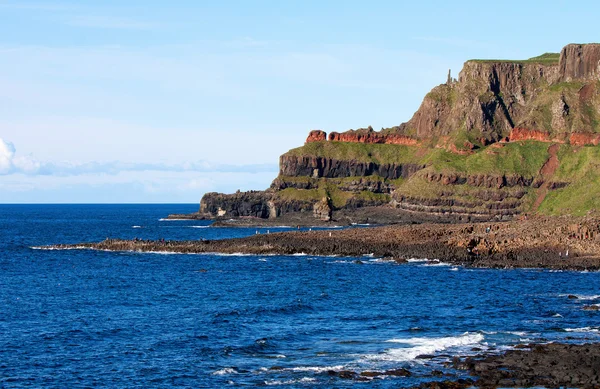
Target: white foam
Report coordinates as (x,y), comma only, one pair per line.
(172,220)
(225,371)
(582,296)
(49,248)
(517,333)
(136,227)
(557,315)
(438,264)
(420,346)
(304,380)
(197,226)
(316,369)
(583,329)
(454,269)
(417,260)
(299,255)
(262,260)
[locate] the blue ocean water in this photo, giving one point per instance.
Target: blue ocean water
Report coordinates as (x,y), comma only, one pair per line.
(78,318)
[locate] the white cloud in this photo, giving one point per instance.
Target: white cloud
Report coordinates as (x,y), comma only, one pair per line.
(7,153)
(10,163)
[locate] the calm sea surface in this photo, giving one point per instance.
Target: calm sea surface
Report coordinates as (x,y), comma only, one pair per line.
(79,318)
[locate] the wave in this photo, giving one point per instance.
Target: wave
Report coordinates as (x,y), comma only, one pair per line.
(437,263)
(584,329)
(225,371)
(50,248)
(304,380)
(315,369)
(582,296)
(425,346)
(197,226)
(137,227)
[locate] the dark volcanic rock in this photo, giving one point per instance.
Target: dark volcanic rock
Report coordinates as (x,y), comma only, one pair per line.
(580,62)
(310,166)
(254,203)
(550,365)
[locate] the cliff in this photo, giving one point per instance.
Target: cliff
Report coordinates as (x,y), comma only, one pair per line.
(507,138)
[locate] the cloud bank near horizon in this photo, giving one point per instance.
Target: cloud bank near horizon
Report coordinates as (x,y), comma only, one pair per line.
(11,163)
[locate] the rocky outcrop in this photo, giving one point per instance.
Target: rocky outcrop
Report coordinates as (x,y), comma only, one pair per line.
(368,135)
(480,180)
(240,204)
(371,184)
(495,99)
(322,210)
(311,166)
(316,136)
(580,62)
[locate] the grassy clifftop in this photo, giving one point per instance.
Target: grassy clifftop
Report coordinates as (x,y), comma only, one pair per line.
(571,187)
(523,158)
(544,59)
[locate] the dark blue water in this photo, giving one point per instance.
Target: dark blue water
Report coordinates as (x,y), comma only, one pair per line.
(86,318)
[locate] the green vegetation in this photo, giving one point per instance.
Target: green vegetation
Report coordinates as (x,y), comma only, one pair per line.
(524,158)
(344,151)
(570,86)
(309,195)
(580,167)
(548,59)
(443,94)
(339,198)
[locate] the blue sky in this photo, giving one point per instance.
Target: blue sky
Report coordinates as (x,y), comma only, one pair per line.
(154,101)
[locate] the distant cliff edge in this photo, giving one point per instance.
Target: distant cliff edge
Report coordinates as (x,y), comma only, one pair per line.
(505,139)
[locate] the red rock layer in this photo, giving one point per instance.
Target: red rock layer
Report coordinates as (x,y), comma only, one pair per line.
(316,136)
(518,134)
(583,139)
(372,137)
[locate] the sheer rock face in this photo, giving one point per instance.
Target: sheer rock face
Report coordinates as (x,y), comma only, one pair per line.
(492,98)
(320,167)
(580,62)
(486,103)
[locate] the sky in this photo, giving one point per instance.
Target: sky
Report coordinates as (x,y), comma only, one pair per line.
(142,101)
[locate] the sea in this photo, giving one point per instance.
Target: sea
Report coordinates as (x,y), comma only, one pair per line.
(82,318)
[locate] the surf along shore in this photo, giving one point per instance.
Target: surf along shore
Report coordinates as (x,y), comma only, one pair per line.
(563,243)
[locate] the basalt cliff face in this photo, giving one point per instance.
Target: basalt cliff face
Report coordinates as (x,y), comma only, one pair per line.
(505,139)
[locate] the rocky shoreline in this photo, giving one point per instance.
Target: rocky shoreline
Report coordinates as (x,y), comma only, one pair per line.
(562,243)
(535,365)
